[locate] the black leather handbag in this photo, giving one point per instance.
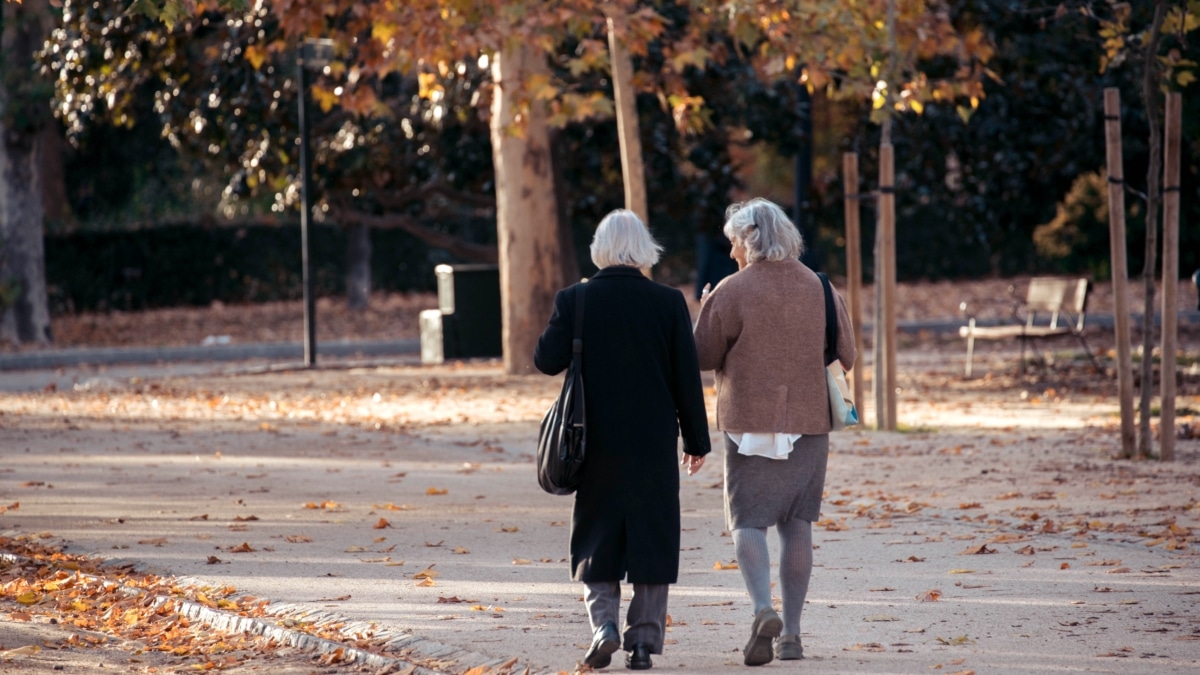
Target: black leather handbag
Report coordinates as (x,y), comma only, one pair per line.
(562,439)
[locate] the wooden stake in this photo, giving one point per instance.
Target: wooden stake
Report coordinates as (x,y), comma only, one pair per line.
(854,267)
(1170,274)
(627,122)
(887,250)
(1120,273)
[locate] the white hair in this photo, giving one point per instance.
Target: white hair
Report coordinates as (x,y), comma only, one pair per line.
(622,239)
(764,230)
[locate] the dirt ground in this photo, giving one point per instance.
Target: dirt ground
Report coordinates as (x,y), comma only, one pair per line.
(335,489)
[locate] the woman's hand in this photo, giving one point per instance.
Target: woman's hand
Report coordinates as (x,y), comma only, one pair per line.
(704,294)
(692,462)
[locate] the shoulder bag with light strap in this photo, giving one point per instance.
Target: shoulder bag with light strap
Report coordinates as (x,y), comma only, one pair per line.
(841,404)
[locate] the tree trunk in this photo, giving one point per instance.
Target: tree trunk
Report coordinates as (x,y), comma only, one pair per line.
(358,268)
(526,213)
(24,310)
(1150,82)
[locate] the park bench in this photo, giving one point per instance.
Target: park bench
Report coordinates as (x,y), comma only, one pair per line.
(1062,300)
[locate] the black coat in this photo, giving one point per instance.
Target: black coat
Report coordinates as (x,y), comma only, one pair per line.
(642,386)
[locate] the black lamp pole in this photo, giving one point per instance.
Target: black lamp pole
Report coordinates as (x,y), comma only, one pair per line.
(310,308)
(315,53)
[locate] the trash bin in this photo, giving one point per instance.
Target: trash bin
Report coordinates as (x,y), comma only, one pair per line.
(469,309)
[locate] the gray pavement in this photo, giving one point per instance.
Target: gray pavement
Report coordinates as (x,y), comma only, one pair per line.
(1045,554)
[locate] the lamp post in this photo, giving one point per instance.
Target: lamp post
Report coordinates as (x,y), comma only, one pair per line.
(316,54)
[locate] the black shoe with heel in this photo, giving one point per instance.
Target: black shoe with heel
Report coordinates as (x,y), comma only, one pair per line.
(604,643)
(639,658)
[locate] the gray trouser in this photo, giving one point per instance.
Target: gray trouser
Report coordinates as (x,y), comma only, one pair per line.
(646,620)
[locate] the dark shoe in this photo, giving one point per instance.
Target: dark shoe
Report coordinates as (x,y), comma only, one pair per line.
(604,643)
(788,648)
(766,627)
(639,658)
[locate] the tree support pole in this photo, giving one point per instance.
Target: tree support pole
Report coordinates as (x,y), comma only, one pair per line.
(627,121)
(1120,271)
(854,265)
(887,250)
(1170,274)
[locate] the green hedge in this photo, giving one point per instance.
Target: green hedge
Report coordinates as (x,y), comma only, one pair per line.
(195,265)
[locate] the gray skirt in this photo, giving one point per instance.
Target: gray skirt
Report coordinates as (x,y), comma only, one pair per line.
(762,492)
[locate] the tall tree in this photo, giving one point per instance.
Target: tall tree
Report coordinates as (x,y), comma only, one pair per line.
(24,110)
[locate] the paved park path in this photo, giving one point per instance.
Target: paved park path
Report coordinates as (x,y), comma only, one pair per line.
(995,535)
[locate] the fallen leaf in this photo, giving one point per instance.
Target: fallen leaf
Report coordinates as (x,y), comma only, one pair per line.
(459,550)
(339,598)
(28,598)
(381,524)
(298,538)
(158,541)
(932,595)
(436,491)
(1008,538)
(962,571)
(960,640)
(510,530)
(243,548)
(731,565)
(20,616)
(425,583)
(868,647)
(1025,550)
(881,617)
(1065,566)
(981,549)
(213,560)
(521,561)
(245,518)
(427,573)
(434,544)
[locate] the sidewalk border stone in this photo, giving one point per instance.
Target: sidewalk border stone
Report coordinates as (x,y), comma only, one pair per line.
(235,623)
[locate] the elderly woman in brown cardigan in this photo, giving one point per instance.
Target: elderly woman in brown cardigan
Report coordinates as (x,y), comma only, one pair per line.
(762,330)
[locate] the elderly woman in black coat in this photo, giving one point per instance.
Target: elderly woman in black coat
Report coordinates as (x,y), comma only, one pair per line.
(642,386)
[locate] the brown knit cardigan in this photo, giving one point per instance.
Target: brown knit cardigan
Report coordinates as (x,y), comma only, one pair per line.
(763,331)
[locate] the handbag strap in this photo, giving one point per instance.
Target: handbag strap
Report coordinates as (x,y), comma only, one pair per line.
(831,326)
(577,358)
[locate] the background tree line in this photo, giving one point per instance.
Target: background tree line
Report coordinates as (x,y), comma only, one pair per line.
(192,125)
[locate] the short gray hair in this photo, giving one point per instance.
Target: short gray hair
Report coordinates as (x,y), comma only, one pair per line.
(622,239)
(764,230)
